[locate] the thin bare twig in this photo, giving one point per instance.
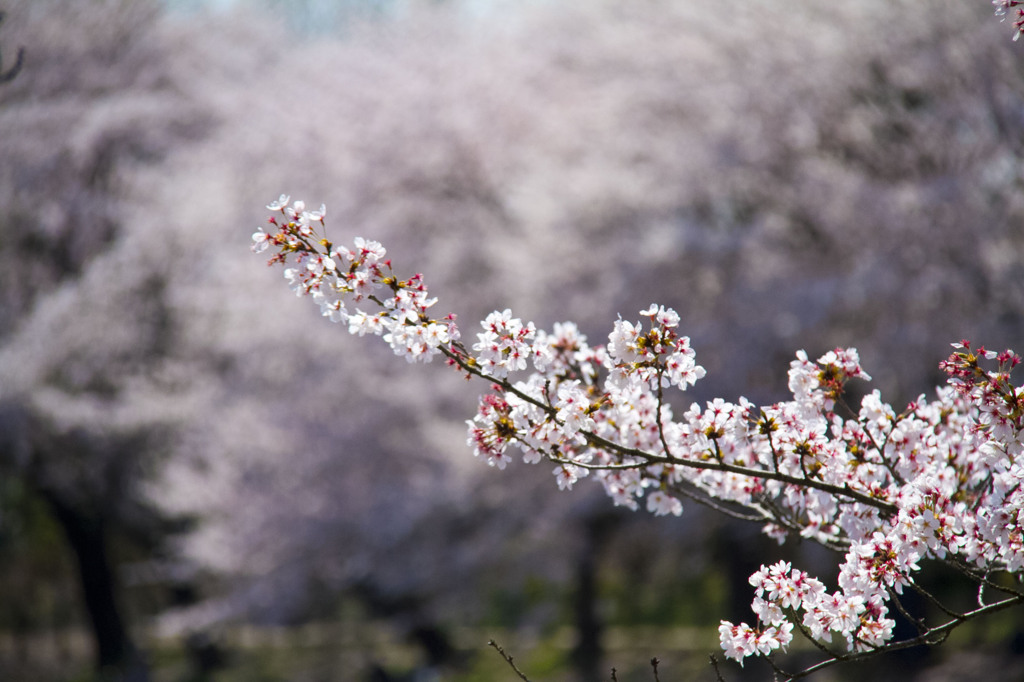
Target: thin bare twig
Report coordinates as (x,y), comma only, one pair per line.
(710,503)
(714,664)
(914,620)
(935,600)
(508,659)
(979,576)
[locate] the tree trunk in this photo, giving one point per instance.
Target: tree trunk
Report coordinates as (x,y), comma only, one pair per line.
(588,654)
(588,651)
(117,659)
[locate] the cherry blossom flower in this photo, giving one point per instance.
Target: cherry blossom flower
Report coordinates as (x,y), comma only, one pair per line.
(660,503)
(279,204)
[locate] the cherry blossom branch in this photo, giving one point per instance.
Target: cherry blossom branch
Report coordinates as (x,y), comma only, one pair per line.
(942,480)
(652,458)
(1003,7)
(932,637)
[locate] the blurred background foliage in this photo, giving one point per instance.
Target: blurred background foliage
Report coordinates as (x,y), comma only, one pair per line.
(202,480)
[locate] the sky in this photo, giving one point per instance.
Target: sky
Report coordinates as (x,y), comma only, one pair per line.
(327,16)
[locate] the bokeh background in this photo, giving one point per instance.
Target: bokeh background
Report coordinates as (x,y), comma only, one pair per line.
(202,480)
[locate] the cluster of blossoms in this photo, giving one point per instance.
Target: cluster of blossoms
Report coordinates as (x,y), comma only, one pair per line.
(1003,7)
(336,275)
(943,480)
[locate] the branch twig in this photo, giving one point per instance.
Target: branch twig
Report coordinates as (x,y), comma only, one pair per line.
(714,664)
(508,659)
